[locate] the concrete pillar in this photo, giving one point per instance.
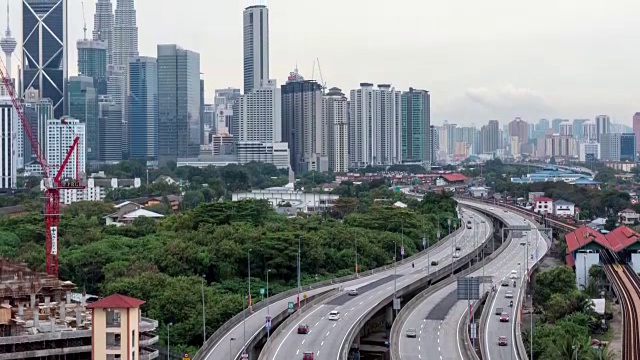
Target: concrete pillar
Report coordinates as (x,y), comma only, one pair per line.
(20,311)
(36,318)
(63,311)
(33,301)
(388,314)
(68,297)
(47,303)
(78,317)
(52,322)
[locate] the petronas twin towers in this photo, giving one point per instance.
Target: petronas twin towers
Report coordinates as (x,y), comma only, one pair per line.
(120,32)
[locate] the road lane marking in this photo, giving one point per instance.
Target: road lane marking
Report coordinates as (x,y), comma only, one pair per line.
(290,331)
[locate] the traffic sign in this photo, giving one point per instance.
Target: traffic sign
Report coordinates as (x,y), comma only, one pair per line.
(304,296)
(268,322)
(261,291)
(186,357)
(291,307)
(402,250)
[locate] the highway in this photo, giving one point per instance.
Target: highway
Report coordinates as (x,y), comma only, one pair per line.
(326,337)
(437,318)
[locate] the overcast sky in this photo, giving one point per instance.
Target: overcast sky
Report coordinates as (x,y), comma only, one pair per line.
(481,60)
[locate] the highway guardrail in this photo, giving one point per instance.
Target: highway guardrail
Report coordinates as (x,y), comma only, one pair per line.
(238,318)
(464,326)
(486,312)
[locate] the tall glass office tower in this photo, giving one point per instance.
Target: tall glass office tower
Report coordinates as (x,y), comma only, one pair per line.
(143,108)
(44,50)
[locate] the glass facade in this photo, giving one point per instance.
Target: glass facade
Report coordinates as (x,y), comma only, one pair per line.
(416,124)
(143,108)
(178,103)
(92,62)
(44,51)
(83,105)
(628,147)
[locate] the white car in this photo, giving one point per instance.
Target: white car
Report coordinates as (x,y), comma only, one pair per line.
(456,255)
(509,294)
(334,315)
(514,274)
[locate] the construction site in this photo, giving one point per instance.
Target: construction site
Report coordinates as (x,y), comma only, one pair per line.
(42,318)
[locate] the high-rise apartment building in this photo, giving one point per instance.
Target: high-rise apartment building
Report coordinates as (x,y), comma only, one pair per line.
(109,130)
(578,128)
(203,136)
(256,46)
(374,126)
(519,129)
(541,128)
(60,135)
(92,62)
(44,50)
(416,126)
(117,91)
(143,108)
(566,128)
(257,116)
(636,129)
(83,106)
(610,147)
(103,24)
(8,153)
(226,96)
(434,143)
(555,125)
(302,125)
(178,103)
(603,126)
(450,135)
(590,131)
(490,137)
(38,111)
(335,114)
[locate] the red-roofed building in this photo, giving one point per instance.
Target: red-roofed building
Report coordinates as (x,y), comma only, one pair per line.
(543,205)
(116,328)
(451,179)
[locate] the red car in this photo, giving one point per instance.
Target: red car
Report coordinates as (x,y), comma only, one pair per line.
(307,356)
(504,317)
(502,341)
(303,329)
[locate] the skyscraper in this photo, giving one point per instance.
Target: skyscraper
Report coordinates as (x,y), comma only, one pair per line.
(434,145)
(109,130)
(628,147)
(257,116)
(178,103)
(490,137)
(335,114)
(143,108)
(92,62)
(8,153)
(416,125)
(636,129)
(520,129)
(117,90)
(603,125)
(44,50)
(60,136)
(302,126)
(374,126)
(256,46)
(38,111)
(103,26)
(83,105)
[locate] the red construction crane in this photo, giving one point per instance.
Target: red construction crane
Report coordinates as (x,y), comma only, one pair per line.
(52,186)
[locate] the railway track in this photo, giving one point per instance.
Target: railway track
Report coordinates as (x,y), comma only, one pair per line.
(627,285)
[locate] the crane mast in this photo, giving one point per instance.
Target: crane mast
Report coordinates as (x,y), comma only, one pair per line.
(52,186)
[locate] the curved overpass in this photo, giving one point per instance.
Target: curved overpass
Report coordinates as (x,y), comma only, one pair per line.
(326,338)
(229,341)
(437,317)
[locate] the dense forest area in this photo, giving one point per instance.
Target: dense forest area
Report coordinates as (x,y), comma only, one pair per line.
(163,261)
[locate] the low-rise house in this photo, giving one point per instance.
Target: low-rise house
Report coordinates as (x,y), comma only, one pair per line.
(128,212)
(451,179)
(543,205)
(564,208)
(628,217)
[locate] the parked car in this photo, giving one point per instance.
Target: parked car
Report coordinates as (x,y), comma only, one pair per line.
(303,329)
(411,333)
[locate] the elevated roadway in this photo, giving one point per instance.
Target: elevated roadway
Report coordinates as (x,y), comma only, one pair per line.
(437,318)
(230,344)
(326,337)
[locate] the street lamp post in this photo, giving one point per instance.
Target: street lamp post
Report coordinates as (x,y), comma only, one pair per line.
(244,320)
(355,240)
(267,295)
(231,340)
(204,321)
(249,272)
(169,340)
(395,275)
(402,237)
(299,261)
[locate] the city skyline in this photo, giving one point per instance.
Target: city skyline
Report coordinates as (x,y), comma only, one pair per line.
(466,89)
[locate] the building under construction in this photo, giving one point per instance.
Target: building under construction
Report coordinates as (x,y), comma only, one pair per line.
(41,318)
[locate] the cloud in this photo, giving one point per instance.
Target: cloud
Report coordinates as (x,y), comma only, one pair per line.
(477,105)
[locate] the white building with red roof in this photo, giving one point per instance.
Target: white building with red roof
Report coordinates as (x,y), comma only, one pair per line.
(543,205)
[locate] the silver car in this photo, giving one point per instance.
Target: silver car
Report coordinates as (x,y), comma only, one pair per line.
(411,333)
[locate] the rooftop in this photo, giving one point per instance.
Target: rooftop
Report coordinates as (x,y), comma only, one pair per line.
(116,301)
(616,240)
(542,198)
(454,177)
